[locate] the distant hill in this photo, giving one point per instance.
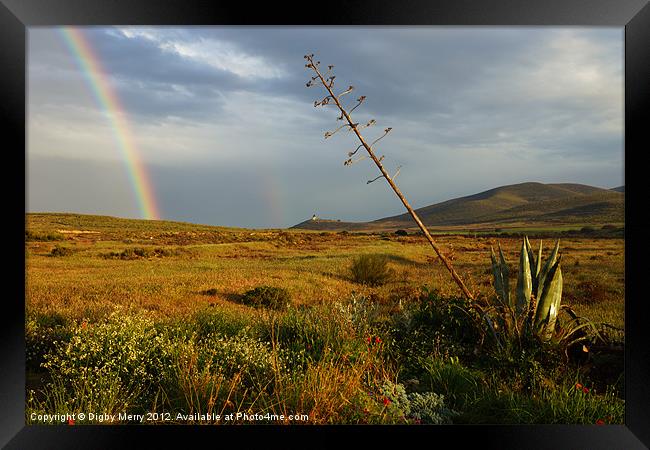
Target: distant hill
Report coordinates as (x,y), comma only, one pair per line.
(562,203)
(329,225)
(618,189)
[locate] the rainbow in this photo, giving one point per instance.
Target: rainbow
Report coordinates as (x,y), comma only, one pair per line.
(108,100)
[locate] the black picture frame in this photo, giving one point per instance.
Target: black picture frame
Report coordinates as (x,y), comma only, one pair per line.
(633,15)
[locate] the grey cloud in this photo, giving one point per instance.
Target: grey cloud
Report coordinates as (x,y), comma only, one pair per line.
(465,110)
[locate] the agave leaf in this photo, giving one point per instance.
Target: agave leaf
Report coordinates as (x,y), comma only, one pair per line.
(549,302)
(547,267)
(538,267)
(505,273)
(524,280)
(533,265)
(555,304)
(498,277)
(531,256)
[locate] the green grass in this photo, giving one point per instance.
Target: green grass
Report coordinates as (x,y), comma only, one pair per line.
(170,306)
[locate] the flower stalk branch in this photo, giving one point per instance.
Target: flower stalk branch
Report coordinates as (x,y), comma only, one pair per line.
(354,127)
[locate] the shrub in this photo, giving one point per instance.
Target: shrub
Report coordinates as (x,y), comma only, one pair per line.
(140,252)
(372,270)
(426,407)
(61,251)
(127,349)
(37,236)
(43,332)
(240,356)
(429,408)
(401,233)
(267,297)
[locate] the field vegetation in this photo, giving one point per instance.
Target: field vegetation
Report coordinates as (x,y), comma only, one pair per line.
(344,327)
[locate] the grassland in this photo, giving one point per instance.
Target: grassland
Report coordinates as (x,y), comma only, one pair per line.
(181,285)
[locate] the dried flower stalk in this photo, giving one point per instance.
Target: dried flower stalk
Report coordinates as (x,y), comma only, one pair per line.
(329,84)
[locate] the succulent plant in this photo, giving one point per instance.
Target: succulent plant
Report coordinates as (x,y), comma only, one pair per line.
(538,293)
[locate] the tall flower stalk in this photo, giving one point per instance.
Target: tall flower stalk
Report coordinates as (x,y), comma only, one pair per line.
(327,80)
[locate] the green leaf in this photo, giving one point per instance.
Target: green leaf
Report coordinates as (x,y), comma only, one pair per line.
(524,280)
(501,282)
(544,272)
(549,302)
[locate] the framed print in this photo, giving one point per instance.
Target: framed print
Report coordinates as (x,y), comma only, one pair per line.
(365,221)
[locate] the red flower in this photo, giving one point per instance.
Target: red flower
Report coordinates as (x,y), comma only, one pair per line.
(70,421)
(377,340)
(386,401)
(84,324)
(578,386)
(585,390)
(368,339)
(600,422)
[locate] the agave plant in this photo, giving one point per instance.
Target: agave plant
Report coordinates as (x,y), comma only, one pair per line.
(538,296)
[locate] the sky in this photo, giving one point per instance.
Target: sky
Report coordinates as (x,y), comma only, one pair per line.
(214,125)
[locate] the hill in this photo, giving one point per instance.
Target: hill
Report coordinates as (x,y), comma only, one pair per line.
(525,203)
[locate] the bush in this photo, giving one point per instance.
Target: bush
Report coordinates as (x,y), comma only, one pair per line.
(36,236)
(267,297)
(372,270)
(139,253)
(401,233)
(426,407)
(43,333)
(240,356)
(61,251)
(125,349)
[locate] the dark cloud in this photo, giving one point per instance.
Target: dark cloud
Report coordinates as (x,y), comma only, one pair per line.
(212,108)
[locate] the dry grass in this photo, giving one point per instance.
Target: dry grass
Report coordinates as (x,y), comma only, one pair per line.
(313,267)
(320,358)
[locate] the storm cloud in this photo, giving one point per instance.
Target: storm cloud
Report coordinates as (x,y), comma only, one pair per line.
(228,133)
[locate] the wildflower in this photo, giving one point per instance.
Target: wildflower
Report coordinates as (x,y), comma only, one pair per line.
(84,324)
(386,401)
(585,390)
(578,386)
(377,340)
(71,421)
(600,422)
(369,339)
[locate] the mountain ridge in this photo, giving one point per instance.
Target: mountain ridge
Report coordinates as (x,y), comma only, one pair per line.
(559,203)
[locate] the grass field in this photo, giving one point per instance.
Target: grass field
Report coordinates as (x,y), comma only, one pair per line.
(343,352)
